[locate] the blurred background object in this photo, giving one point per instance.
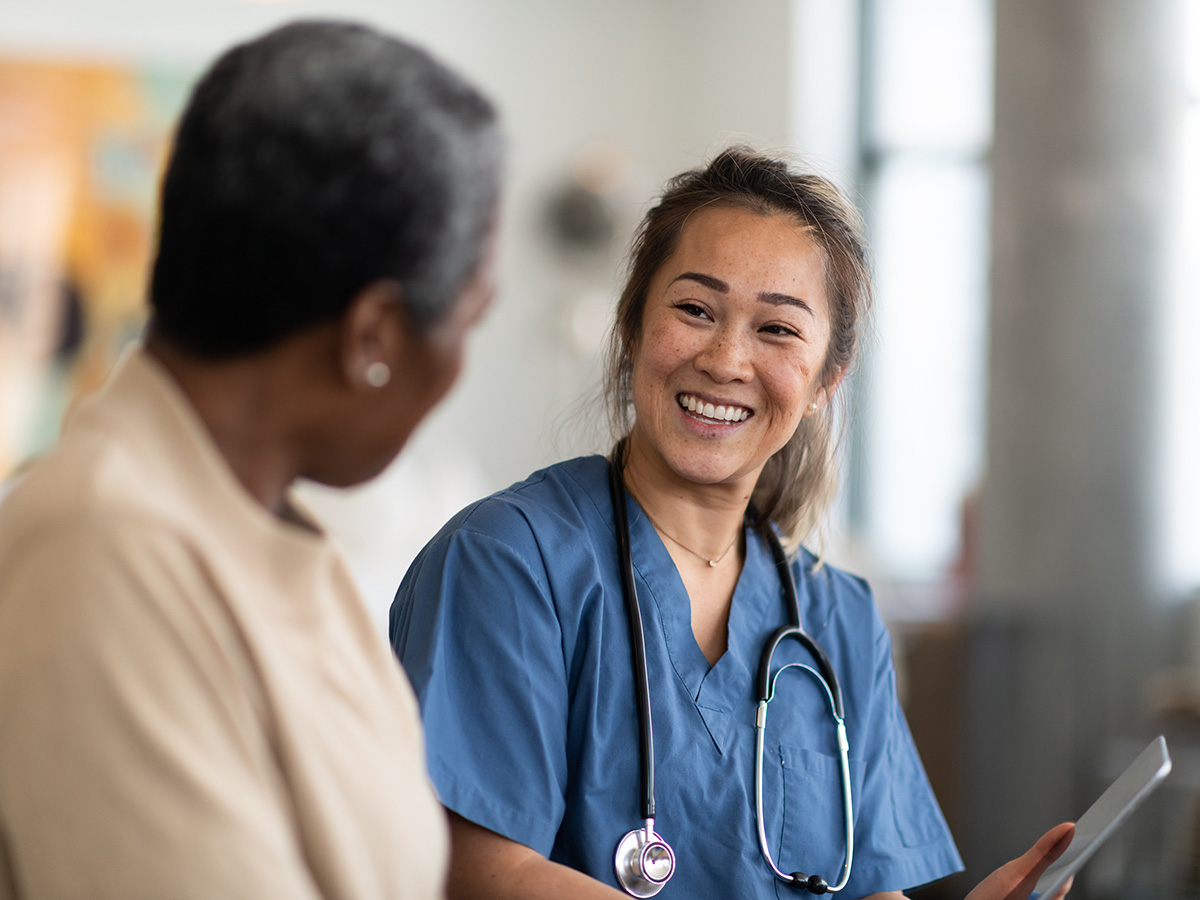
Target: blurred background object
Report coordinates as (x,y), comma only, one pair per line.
(1022,484)
(81,146)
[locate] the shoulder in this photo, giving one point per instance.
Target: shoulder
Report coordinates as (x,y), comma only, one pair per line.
(525,547)
(87,489)
(122,463)
(554,506)
(835,596)
(111,523)
(531,533)
(86,542)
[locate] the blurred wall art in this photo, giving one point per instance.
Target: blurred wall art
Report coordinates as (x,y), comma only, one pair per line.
(81,151)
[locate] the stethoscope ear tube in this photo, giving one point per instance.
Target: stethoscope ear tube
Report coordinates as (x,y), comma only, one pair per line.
(796,630)
(828,674)
(814,884)
(763,684)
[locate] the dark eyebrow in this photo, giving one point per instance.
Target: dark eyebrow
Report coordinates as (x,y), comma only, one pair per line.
(785,300)
(708,281)
(772,297)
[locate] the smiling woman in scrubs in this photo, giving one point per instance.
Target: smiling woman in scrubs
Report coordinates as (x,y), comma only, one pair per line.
(733,333)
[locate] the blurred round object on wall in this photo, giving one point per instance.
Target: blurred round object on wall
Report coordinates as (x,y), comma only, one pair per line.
(581,214)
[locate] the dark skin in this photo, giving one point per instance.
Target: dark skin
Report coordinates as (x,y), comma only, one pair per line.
(258,408)
(304,407)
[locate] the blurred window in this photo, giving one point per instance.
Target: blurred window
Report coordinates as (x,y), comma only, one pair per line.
(1182,470)
(926,130)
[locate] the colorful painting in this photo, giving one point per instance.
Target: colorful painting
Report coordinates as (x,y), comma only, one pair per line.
(81,153)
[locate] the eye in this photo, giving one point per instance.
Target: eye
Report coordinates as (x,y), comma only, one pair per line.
(695,310)
(779,329)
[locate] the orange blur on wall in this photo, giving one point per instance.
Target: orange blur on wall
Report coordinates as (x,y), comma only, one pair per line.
(81,153)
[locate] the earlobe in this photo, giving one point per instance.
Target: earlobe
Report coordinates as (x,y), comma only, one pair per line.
(825,393)
(370,334)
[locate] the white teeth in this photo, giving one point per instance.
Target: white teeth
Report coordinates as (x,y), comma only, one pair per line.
(709,411)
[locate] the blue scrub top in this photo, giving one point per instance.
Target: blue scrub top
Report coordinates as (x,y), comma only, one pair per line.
(511,624)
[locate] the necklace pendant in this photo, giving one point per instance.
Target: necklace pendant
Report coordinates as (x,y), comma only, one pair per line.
(712,563)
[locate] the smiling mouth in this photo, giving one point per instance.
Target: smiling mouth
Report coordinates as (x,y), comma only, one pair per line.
(725,415)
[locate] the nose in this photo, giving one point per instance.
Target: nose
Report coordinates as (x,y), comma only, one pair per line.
(726,357)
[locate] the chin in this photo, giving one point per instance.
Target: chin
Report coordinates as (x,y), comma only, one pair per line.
(709,472)
(348,476)
(374,471)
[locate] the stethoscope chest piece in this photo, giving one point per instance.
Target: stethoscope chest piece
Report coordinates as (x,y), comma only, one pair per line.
(644,861)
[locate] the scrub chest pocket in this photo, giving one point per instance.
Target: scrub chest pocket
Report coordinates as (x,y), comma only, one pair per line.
(812,810)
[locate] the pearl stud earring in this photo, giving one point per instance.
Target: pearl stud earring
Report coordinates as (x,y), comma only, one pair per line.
(378,374)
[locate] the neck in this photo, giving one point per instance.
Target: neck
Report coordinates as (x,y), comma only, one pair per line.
(703,519)
(245,405)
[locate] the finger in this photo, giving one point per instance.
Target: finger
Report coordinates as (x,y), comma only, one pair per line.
(1034,861)
(1015,879)
(1049,847)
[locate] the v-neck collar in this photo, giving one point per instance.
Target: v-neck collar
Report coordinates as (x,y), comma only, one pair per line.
(727,685)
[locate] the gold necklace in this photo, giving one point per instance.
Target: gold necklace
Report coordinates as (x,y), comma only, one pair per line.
(618,459)
(712,561)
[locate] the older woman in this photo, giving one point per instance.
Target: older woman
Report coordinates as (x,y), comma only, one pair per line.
(549,692)
(194,702)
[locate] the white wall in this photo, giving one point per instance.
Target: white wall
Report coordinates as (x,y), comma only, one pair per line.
(665,82)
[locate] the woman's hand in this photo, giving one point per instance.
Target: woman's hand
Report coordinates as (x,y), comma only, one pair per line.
(1014,880)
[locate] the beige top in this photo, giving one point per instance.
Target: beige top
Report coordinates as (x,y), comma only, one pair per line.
(193,702)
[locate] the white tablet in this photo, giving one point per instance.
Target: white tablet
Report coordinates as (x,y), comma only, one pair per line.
(1122,797)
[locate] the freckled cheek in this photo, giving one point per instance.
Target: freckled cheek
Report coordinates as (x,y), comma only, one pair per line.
(664,355)
(648,388)
(790,392)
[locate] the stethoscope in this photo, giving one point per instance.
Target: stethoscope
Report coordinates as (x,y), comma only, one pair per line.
(645,862)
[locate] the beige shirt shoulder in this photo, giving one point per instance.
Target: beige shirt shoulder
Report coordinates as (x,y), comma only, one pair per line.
(193,701)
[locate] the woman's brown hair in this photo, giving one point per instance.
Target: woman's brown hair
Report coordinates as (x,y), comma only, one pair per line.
(798,483)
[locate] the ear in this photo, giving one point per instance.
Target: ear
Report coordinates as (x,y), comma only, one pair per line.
(373,331)
(823,395)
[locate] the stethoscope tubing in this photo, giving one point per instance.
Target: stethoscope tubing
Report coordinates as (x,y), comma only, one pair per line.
(760,727)
(828,679)
(637,638)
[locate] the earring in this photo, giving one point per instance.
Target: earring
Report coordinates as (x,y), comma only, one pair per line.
(378,374)
(813,406)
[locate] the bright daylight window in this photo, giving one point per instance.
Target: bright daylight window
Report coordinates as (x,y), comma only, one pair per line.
(1182,469)
(926,131)
(918,448)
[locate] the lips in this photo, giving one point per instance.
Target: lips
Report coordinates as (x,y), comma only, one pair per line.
(725,414)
